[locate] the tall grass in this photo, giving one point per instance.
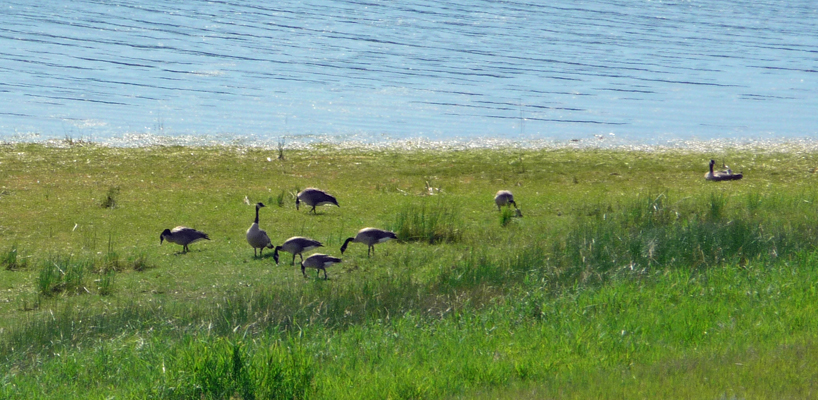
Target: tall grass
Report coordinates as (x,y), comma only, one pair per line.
(284,309)
(637,238)
(431,223)
(279,200)
(653,232)
(106,283)
(566,338)
(12,260)
(111,261)
(208,368)
(62,274)
(69,275)
(506,215)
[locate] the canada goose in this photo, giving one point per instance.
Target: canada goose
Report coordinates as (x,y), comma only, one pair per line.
(369,237)
(314,197)
(297,245)
(257,237)
(182,235)
(319,262)
(504,198)
(726,175)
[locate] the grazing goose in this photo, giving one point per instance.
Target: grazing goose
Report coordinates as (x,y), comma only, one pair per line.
(297,245)
(258,238)
(182,235)
(369,237)
(314,197)
(726,175)
(319,262)
(504,198)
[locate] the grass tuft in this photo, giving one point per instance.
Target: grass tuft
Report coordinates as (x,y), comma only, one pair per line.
(61,274)
(110,200)
(280,147)
(111,261)
(209,368)
(141,263)
(279,199)
(436,223)
(106,283)
(12,261)
(506,216)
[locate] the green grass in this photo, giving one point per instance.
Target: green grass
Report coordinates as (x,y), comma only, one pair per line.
(628,275)
(429,222)
(12,260)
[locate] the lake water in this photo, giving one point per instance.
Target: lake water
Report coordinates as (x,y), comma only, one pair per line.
(650,72)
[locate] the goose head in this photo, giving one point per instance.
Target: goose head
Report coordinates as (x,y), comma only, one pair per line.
(162,235)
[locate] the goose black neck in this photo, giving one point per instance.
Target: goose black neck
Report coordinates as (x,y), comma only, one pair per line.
(346,242)
(256,221)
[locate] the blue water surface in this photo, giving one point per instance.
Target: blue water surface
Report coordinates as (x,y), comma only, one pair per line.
(380,71)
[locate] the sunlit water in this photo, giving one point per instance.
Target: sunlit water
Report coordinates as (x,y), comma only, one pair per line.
(417,71)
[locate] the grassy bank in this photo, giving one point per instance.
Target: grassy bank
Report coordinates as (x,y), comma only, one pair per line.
(628,275)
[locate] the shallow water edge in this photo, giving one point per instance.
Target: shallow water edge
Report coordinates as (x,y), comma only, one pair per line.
(755,145)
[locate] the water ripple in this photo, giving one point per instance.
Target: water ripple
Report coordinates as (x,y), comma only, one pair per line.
(392,71)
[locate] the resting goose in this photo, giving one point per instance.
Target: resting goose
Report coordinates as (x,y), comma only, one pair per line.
(258,238)
(369,237)
(182,235)
(297,245)
(314,197)
(726,175)
(319,262)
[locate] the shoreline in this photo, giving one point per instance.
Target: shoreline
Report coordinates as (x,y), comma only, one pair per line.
(599,142)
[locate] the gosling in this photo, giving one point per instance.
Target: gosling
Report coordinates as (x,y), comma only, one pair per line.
(182,235)
(314,197)
(258,238)
(370,237)
(296,246)
(726,175)
(320,262)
